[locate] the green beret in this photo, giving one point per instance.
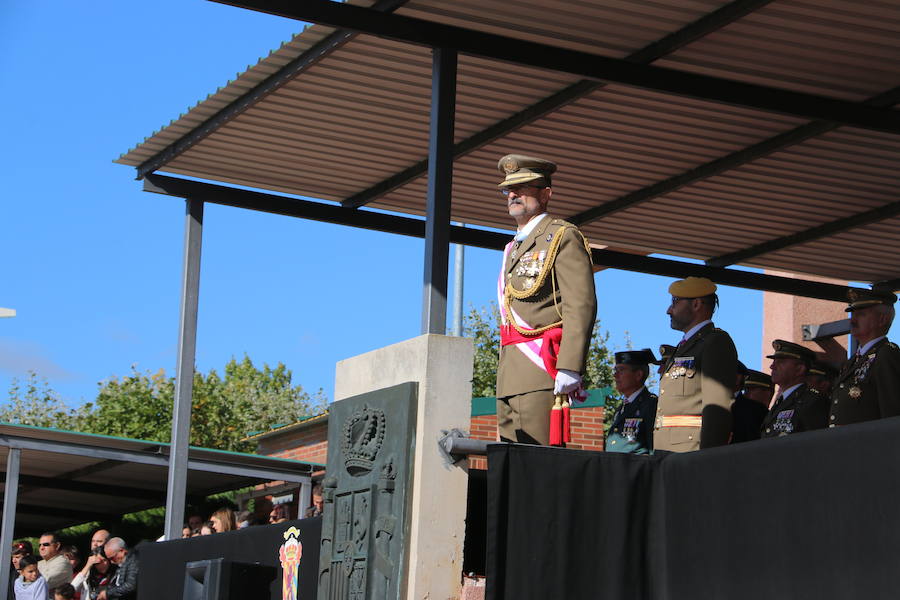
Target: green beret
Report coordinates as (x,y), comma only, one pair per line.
(757,379)
(523,169)
(784,349)
(861,298)
(636,357)
(692,287)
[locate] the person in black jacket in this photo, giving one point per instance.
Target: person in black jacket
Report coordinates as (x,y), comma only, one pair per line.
(750,406)
(798,407)
(124,583)
(632,426)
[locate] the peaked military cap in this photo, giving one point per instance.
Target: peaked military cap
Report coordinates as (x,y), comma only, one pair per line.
(521,169)
(692,287)
(785,349)
(636,357)
(822,369)
(757,379)
(741,368)
(665,351)
(861,298)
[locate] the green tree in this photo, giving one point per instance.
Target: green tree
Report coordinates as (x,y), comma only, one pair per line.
(139,405)
(35,403)
(483,326)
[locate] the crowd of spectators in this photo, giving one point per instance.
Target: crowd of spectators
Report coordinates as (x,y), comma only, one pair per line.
(110,571)
(266,513)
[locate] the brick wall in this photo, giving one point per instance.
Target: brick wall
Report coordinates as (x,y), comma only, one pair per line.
(310,443)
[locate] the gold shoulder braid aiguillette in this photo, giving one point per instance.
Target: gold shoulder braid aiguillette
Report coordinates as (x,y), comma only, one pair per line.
(510,292)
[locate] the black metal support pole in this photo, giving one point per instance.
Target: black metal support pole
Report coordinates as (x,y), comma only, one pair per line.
(10,496)
(440,184)
(184,373)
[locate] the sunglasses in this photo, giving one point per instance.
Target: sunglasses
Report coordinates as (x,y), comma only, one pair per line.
(45,544)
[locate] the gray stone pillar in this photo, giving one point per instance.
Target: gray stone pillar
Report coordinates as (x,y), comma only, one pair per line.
(442,368)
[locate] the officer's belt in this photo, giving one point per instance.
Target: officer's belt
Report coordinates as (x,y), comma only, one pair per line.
(679,421)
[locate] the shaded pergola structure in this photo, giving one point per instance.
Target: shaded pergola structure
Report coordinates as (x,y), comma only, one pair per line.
(56,478)
(754,133)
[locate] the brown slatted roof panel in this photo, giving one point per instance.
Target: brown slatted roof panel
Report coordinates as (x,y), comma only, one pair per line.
(612,27)
(863,254)
(847,50)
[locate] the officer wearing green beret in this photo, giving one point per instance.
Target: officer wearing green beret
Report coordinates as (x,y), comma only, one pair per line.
(632,425)
(750,404)
(868,386)
(797,407)
(547,305)
(695,392)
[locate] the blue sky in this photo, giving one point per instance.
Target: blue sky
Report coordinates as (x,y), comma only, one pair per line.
(92,264)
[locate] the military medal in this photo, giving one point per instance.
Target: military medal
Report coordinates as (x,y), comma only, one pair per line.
(855,392)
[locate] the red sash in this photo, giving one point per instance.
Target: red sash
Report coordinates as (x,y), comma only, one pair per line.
(549,347)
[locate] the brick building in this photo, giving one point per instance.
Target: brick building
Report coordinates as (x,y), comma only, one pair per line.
(307,440)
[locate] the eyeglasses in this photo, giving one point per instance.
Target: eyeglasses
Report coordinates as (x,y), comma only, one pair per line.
(518,189)
(45,544)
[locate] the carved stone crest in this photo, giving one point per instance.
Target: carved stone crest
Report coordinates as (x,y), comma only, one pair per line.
(363,436)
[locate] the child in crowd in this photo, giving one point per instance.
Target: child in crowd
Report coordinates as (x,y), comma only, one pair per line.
(64,592)
(30,585)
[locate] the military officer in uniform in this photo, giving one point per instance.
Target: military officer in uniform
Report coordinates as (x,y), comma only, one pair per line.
(868,386)
(665,351)
(695,392)
(547,305)
(798,407)
(750,405)
(759,388)
(632,425)
(821,377)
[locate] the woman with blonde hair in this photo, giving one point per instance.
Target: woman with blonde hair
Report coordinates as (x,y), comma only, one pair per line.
(223,520)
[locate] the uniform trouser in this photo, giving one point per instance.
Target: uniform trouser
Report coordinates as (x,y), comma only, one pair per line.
(677,439)
(525,418)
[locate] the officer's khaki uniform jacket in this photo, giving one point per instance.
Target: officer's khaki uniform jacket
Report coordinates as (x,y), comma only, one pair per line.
(567,294)
(697,381)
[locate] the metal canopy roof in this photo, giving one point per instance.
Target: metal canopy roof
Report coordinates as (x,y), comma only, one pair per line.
(752,132)
(70,478)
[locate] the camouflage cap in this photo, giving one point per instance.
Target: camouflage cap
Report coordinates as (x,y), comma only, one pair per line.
(520,169)
(861,298)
